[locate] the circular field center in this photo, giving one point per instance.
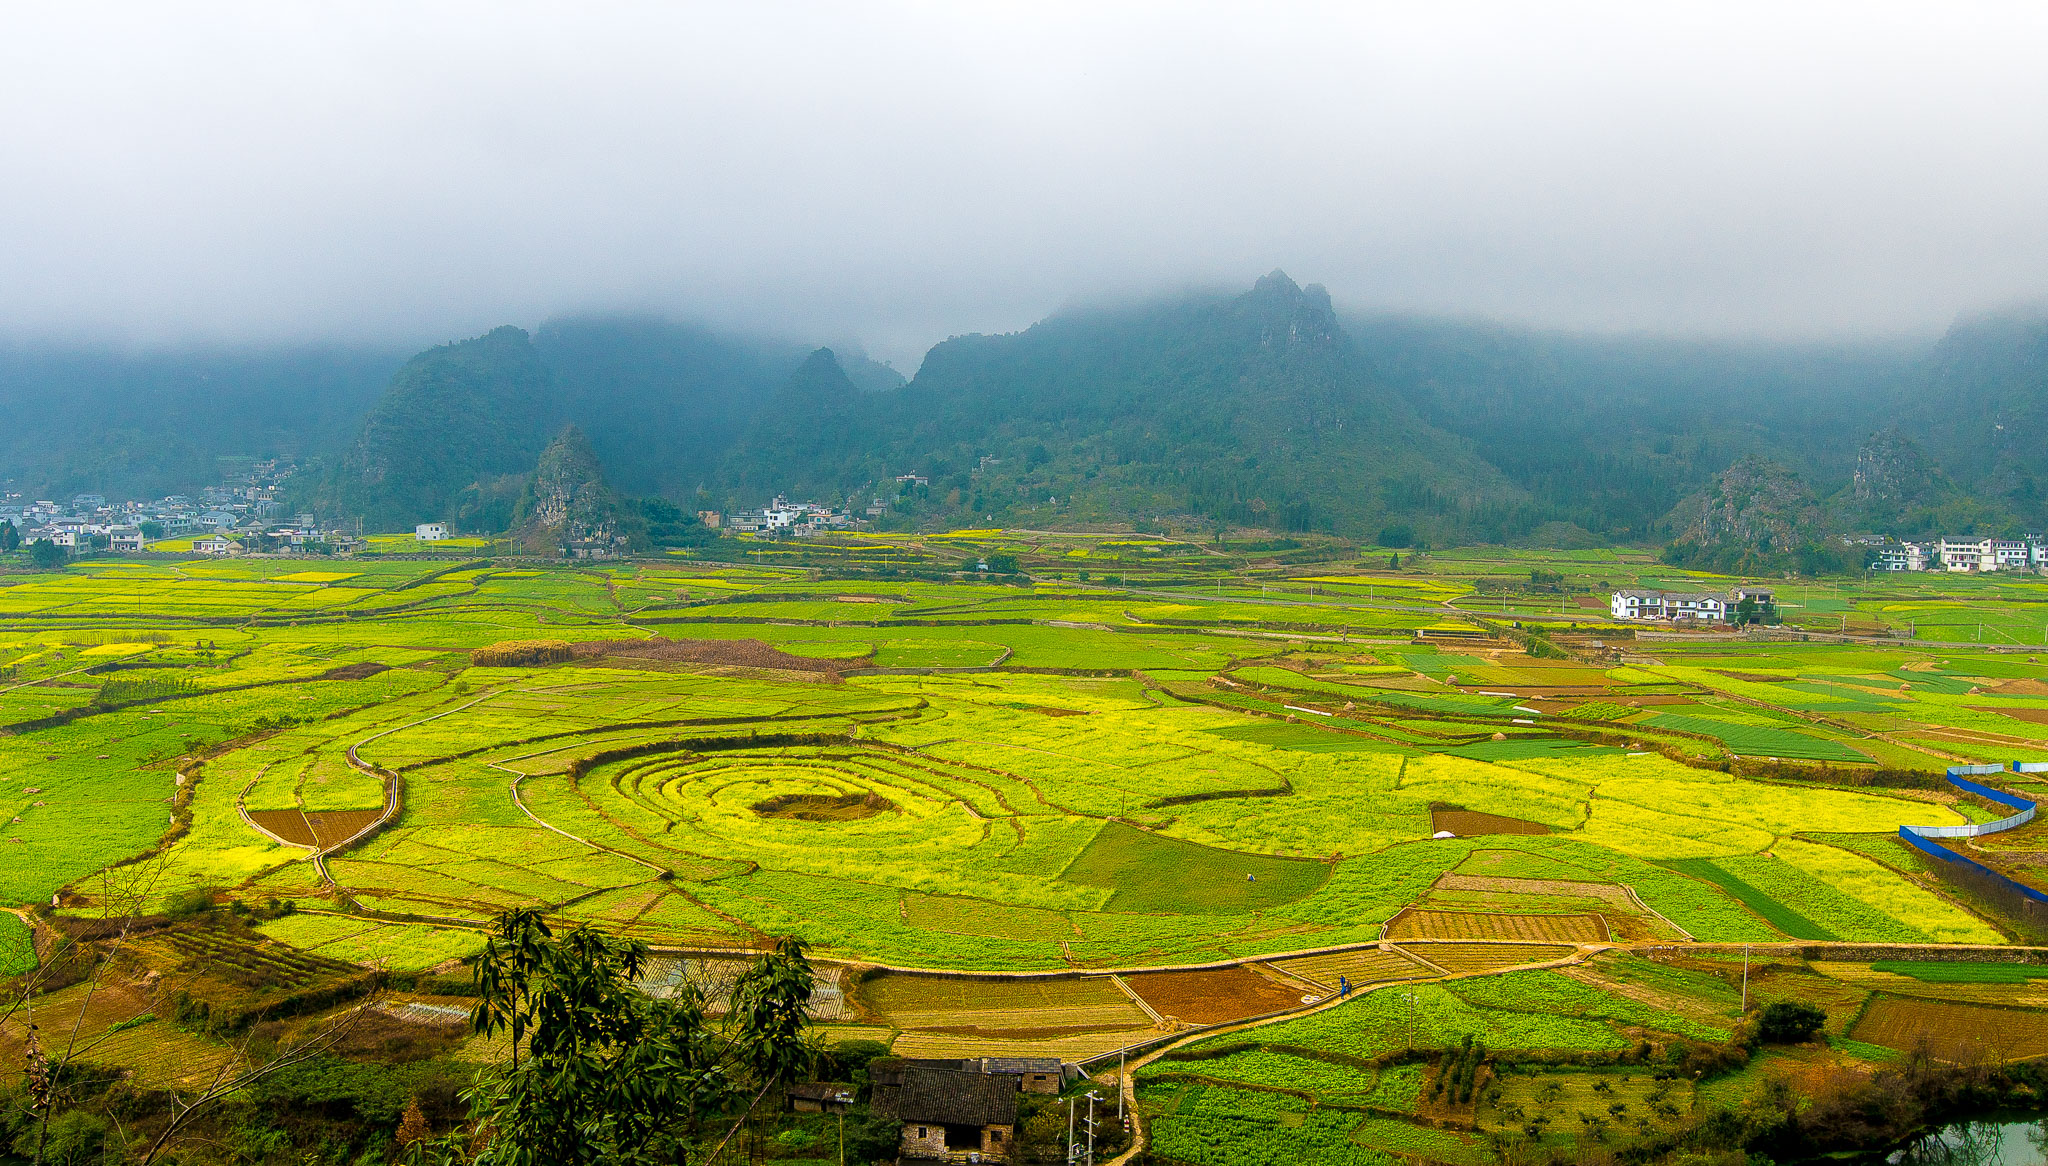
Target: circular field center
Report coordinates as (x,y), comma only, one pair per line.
(848,807)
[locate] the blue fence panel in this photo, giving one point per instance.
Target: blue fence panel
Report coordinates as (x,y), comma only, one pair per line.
(1922,837)
(1986,792)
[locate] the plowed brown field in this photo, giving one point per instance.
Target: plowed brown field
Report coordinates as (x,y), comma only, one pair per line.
(289,825)
(1212,996)
(334,827)
(1953,1031)
(1468,823)
(1364,966)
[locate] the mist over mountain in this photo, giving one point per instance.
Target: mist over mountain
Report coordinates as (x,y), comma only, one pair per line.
(143,424)
(1983,410)
(1255,409)
(1610,433)
(661,401)
(455,421)
(1266,408)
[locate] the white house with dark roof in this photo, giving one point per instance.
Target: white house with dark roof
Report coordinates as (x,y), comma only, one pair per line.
(1636,603)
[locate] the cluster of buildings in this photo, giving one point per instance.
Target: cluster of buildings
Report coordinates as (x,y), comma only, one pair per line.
(802,519)
(1970,554)
(783,517)
(241,514)
(1693,607)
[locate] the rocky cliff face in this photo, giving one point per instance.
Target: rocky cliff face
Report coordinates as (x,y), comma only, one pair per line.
(567,508)
(1892,470)
(1292,314)
(1899,490)
(1754,516)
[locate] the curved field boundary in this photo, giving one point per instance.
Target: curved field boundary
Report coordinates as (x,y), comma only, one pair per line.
(242,808)
(1922,838)
(392,799)
(519,776)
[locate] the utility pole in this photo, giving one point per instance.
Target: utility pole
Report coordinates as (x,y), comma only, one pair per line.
(1070,1129)
(1091,1128)
(1745,978)
(1121,1085)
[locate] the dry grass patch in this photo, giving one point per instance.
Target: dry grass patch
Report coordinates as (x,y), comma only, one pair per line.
(1421,924)
(1364,966)
(1486,957)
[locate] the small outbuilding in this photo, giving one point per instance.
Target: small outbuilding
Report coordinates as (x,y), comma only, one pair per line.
(949,1114)
(1034,1074)
(820,1097)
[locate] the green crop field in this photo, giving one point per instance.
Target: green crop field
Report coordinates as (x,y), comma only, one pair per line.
(1064,777)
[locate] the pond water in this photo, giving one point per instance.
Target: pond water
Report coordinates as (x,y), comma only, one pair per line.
(1979,1143)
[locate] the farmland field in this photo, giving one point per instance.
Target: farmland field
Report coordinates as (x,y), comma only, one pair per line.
(1050,816)
(1414,924)
(1952,1029)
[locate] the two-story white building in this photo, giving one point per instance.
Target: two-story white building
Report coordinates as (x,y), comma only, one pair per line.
(1967,554)
(1671,606)
(430,531)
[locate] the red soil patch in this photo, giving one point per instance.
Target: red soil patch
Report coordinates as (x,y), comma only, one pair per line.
(1467,823)
(321,828)
(1214,996)
(334,827)
(2031,716)
(289,825)
(1952,1030)
(738,653)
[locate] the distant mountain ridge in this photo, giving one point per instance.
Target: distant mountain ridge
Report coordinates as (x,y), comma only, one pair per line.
(1252,409)
(1268,409)
(1264,408)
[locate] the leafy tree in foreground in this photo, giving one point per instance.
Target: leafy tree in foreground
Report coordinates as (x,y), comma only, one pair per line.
(602,1072)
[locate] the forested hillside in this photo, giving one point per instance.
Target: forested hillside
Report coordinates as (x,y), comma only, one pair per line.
(1255,409)
(662,402)
(1264,408)
(458,423)
(1984,411)
(143,424)
(1610,433)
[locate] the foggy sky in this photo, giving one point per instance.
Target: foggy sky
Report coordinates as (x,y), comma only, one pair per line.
(902,172)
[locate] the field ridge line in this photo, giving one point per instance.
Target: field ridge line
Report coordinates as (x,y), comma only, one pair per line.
(1439,969)
(1638,900)
(513,789)
(390,778)
(1127,990)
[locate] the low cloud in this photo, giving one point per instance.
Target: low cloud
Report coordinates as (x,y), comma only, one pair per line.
(904,172)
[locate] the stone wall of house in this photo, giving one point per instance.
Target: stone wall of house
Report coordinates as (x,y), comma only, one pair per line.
(923,1141)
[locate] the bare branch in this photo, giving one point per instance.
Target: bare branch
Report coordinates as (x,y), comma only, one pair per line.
(225,1084)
